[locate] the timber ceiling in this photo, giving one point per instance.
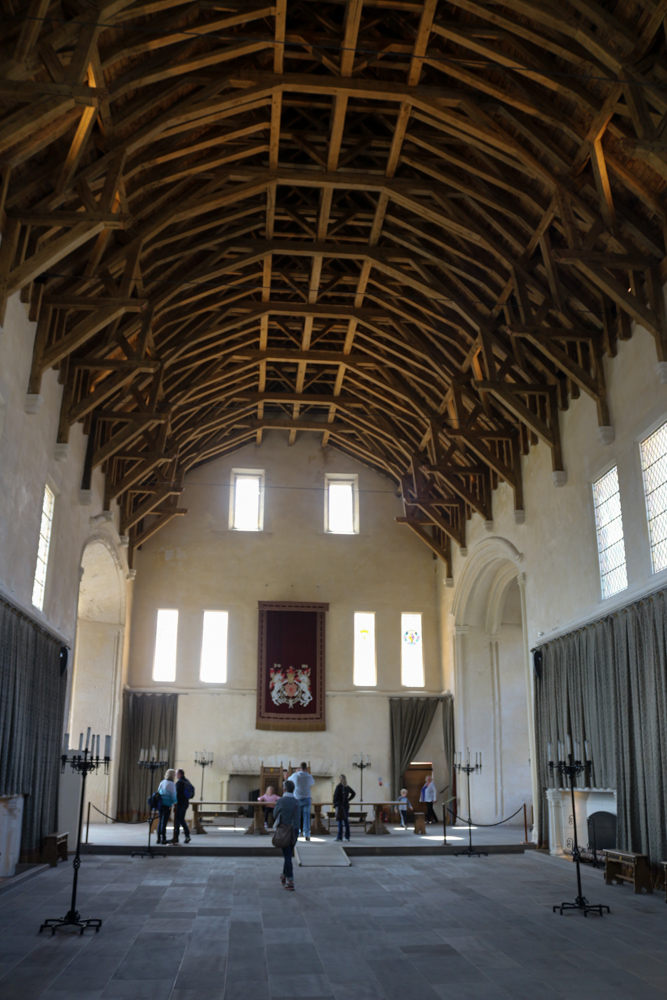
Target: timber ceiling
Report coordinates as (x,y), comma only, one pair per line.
(413,228)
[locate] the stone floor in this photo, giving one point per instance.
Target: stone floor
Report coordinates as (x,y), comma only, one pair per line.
(416,928)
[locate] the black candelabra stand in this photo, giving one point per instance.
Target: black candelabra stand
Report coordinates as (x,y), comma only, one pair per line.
(202,759)
(147,763)
(362,761)
(571,769)
(85,761)
(469,769)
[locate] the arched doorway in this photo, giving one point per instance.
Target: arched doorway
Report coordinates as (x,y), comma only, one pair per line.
(98,657)
(493,681)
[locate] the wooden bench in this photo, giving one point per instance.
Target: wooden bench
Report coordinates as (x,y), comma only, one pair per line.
(54,848)
(354,819)
(624,866)
(420,823)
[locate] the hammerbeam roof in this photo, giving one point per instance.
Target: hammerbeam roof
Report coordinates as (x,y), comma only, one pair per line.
(414,228)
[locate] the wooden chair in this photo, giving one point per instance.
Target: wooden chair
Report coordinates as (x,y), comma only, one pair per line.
(270,776)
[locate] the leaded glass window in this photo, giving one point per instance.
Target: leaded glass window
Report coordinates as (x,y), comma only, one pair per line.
(43,546)
(654,469)
(166,638)
(609,525)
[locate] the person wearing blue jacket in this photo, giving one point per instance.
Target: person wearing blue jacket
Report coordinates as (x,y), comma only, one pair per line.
(287,810)
(167,790)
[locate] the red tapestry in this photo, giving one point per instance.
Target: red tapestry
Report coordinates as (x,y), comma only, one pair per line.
(290,671)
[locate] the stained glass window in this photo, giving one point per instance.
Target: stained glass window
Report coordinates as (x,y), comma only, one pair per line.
(166,636)
(365,668)
(609,524)
(412,659)
(654,469)
(213,667)
(43,548)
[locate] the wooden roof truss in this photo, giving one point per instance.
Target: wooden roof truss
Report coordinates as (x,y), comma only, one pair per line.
(414,228)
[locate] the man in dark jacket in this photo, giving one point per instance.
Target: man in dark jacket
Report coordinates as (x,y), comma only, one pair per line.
(287,810)
(182,803)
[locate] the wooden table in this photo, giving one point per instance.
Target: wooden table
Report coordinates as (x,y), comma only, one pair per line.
(377,827)
(256,828)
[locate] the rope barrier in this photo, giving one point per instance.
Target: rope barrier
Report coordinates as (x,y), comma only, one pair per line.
(500,823)
(127,822)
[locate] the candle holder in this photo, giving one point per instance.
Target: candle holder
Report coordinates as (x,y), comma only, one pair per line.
(469,769)
(571,769)
(362,761)
(147,763)
(85,761)
(202,759)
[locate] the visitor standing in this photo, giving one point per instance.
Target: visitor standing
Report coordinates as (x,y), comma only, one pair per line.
(168,798)
(184,792)
(287,812)
(429,795)
(303,782)
(342,797)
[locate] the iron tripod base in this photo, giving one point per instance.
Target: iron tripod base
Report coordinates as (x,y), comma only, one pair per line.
(148,851)
(470,852)
(71,919)
(581,903)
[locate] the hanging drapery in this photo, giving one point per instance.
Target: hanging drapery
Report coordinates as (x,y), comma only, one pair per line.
(608,683)
(32,702)
(409,722)
(148,720)
(449,796)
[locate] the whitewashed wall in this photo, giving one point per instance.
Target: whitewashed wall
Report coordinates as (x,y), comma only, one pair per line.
(553,554)
(196,563)
(27,463)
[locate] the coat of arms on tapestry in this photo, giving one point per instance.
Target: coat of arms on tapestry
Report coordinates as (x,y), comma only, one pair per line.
(290,672)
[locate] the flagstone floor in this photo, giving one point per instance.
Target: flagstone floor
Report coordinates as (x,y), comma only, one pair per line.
(416,928)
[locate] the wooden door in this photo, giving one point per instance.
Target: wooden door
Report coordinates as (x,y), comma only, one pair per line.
(414,779)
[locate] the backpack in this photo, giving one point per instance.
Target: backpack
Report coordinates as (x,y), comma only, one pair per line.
(188,788)
(155,800)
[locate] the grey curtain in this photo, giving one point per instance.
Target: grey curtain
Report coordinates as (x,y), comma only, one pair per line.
(409,721)
(448,734)
(608,683)
(32,703)
(148,720)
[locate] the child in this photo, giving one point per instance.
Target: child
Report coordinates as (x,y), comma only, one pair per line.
(269,798)
(403,806)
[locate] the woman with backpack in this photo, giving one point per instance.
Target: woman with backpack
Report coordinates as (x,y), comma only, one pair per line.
(184,792)
(167,792)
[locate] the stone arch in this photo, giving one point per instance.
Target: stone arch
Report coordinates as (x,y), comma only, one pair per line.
(492,678)
(99,652)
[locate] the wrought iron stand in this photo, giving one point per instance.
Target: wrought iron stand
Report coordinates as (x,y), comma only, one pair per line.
(202,759)
(149,851)
(362,763)
(83,762)
(570,769)
(469,769)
